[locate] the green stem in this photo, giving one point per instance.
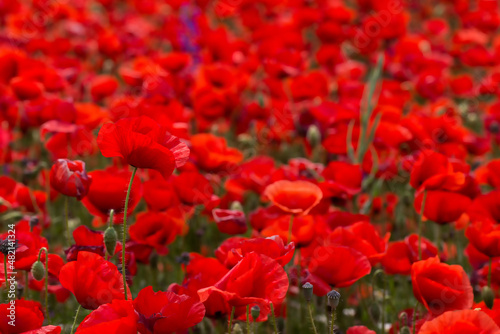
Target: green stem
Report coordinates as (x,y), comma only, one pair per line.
(489,272)
(332,322)
(66,217)
(248,319)
(290,227)
(74,321)
(43,249)
(312,318)
(420,226)
(415,310)
(273,318)
(124,238)
(230,323)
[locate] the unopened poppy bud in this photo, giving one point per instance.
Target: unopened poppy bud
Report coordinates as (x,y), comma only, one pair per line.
(38,270)
(379,279)
(110,239)
(488,296)
(405,330)
(255,311)
(333,298)
(308,291)
(236,206)
(313,136)
(403,317)
(237,329)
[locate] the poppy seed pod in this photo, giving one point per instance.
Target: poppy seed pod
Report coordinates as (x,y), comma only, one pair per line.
(313,136)
(236,206)
(110,239)
(405,330)
(488,296)
(333,298)
(38,270)
(308,291)
(255,311)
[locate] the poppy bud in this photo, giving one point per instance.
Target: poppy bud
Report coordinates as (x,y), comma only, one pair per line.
(333,298)
(110,239)
(313,136)
(308,291)
(405,330)
(38,270)
(403,317)
(378,279)
(237,329)
(236,206)
(488,296)
(255,312)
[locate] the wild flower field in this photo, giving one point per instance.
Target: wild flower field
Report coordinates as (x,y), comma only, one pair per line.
(239,166)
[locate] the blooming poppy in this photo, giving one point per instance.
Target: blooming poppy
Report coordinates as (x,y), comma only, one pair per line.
(108,191)
(93,280)
(212,153)
(460,322)
(230,221)
(359,330)
(158,229)
(116,317)
(70,178)
(166,312)
(297,197)
(484,235)
(232,250)
(28,318)
(255,280)
(441,287)
(339,266)
(143,143)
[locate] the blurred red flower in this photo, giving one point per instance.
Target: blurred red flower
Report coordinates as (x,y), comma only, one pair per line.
(297,197)
(460,322)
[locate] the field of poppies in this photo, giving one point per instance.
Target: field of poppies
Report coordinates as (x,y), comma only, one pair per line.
(249,166)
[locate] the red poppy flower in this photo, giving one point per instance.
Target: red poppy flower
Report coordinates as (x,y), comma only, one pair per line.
(255,280)
(485,237)
(232,250)
(93,280)
(302,230)
(441,287)
(339,266)
(26,88)
(166,312)
(193,188)
(460,322)
(143,143)
(117,317)
(103,86)
(230,221)
(70,178)
(212,154)
(341,179)
(160,194)
(158,229)
(297,197)
(359,330)
(362,237)
(28,316)
(108,191)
